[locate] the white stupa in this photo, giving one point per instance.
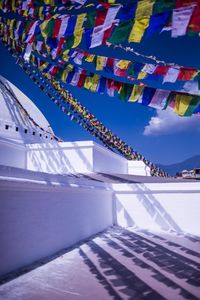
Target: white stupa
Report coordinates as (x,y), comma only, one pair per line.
(27,142)
(15,123)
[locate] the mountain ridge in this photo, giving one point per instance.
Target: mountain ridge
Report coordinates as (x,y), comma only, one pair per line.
(187,164)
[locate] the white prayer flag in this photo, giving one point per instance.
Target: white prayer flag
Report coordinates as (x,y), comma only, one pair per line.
(180,20)
(63,27)
(31,31)
(159,99)
(191,87)
(172,74)
(78,58)
(149,68)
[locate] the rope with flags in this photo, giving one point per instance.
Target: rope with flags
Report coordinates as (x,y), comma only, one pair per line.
(47,37)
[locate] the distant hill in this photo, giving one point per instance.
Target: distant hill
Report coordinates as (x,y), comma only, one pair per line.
(188,164)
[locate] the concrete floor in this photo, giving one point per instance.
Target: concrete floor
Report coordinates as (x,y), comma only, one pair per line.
(116,264)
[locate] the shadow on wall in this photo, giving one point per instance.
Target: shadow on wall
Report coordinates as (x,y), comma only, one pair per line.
(54,159)
(137,206)
(131,266)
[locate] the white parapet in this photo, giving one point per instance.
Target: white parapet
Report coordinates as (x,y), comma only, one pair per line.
(43,213)
(172,206)
(40,216)
(138,168)
(66,157)
(74,157)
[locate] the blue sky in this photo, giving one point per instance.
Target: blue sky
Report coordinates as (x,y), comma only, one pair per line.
(160,136)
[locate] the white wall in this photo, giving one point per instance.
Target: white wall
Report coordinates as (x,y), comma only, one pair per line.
(106,161)
(39,219)
(63,158)
(162,206)
(43,213)
(12,153)
(74,157)
(138,168)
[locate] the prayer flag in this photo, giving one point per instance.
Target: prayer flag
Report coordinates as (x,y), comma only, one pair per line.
(121,32)
(104,21)
(110,87)
(149,68)
(180,20)
(159,99)
(142,17)
(100,63)
(187,74)
(147,95)
(171,75)
(194,23)
(191,87)
(101,85)
(182,103)
(136,93)
(125,91)
(156,23)
(161,70)
(78,31)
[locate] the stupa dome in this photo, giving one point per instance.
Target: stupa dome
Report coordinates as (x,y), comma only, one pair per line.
(20,119)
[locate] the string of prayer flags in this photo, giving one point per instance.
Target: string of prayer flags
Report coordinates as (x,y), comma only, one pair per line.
(116,23)
(82,117)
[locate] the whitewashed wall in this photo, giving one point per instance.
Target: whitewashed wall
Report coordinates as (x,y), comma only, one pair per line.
(62,158)
(106,161)
(162,206)
(38,219)
(138,168)
(73,157)
(41,214)
(12,153)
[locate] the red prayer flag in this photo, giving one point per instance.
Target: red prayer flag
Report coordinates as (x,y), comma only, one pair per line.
(186,74)
(57,27)
(81,79)
(161,70)
(181,3)
(194,24)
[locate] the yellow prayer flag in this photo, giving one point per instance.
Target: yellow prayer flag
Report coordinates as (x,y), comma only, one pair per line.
(100,63)
(141,75)
(65,55)
(64,75)
(78,30)
(136,92)
(70,67)
(11,25)
(43,28)
(90,58)
(40,13)
(95,81)
(13,5)
(88,83)
(49,2)
(142,17)
(123,64)
(144,8)
(43,66)
(182,103)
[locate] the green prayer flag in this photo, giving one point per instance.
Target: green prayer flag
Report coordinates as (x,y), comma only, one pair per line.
(121,32)
(192,106)
(162,6)
(125,91)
